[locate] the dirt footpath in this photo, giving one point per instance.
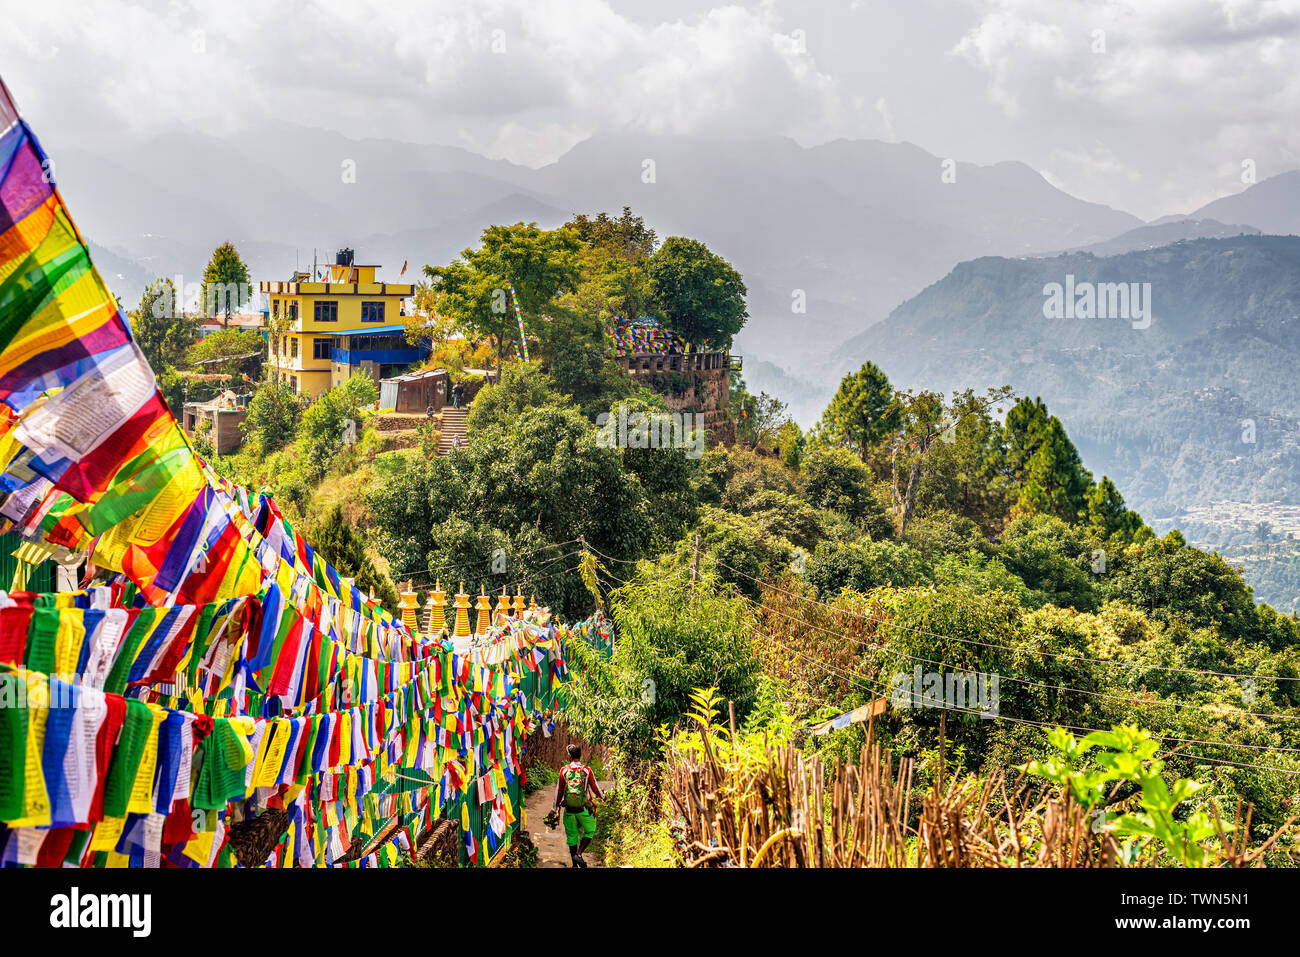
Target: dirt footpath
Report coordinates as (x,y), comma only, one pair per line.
(551,849)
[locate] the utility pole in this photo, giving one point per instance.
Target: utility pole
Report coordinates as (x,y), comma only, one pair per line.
(695,560)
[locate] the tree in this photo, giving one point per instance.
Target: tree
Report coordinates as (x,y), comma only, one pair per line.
(1023,432)
(700,295)
(674,636)
(627,237)
(927,424)
(836,480)
(225,282)
(337,542)
(613,261)
(1107,513)
(764,421)
(162,334)
(473,291)
(233,352)
(1055,481)
(272,417)
(864,410)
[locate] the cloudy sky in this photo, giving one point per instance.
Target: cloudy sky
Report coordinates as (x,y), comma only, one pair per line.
(1151,106)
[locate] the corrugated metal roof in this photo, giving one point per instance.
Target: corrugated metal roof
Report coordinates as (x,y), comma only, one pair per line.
(411,376)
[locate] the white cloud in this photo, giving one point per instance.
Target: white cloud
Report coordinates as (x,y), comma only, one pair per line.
(1160,120)
(523,78)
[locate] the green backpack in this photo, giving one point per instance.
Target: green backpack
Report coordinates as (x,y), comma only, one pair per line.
(575,788)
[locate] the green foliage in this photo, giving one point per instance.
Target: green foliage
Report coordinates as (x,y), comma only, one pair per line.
(863,412)
(332,423)
(1054,480)
(864,565)
(1127,756)
(522,387)
(613,259)
(472,291)
(225,281)
(1052,558)
(160,330)
(699,294)
(272,417)
(674,636)
(335,540)
(233,352)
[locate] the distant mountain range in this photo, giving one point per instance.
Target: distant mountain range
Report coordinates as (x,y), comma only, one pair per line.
(858,226)
(1199,405)
(932,269)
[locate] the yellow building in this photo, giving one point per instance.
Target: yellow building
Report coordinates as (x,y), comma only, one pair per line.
(321,332)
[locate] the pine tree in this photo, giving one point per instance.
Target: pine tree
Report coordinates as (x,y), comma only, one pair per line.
(1108,514)
(863,411)
(338,543)
(1023,433)
(225,282)
(1055,481)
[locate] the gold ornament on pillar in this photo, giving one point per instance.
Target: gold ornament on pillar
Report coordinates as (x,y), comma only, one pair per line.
(437,609)
(408,601)
(519,603)
(484,608)
(503,607)
(462,613)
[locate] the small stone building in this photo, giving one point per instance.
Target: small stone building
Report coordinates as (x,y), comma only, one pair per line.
(224,415)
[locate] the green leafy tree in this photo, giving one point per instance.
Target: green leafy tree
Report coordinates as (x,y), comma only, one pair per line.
(233,352)
(613,261)
(863,412)
(335,540)
(161,331)
(473,290)
(700,295)
(225,282)
(272,417)
(835,479)
(674,636)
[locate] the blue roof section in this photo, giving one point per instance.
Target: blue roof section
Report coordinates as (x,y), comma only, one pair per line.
(368,330)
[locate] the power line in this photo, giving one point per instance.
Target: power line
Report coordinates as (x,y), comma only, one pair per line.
(1053,724)
(1165,702)
(481,561)
(1140,701)
(1050,654)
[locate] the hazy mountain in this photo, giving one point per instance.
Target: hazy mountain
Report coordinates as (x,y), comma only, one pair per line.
(1197,407)
(1165,232)
(844,231)
(1272,204)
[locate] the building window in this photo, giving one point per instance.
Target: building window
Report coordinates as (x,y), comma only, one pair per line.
(327,312)
(320,348)
(293,311)
(372,312)
(275,308)
(293,348)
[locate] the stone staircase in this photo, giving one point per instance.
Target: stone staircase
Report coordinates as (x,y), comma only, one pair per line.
(451,428)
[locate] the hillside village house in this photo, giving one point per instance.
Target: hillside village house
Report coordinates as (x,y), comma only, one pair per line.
(323,332)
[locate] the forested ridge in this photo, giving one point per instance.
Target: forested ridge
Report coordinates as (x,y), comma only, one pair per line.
(800,575)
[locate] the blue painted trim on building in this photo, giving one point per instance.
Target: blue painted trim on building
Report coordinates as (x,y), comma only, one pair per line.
(386,356)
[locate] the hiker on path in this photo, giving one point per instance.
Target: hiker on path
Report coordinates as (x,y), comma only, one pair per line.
(577,789)
(457,393)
